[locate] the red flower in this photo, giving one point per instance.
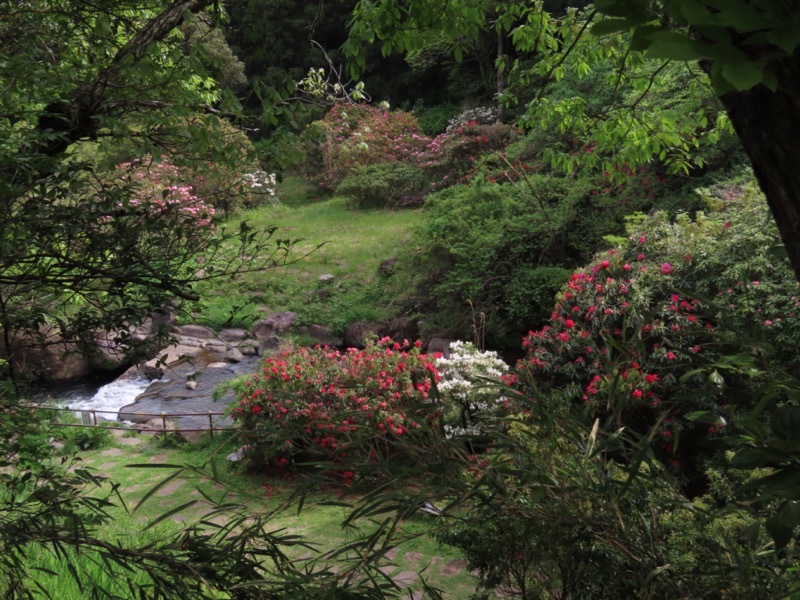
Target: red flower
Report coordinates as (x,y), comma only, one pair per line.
(569,323)
(256,409)
(666,269)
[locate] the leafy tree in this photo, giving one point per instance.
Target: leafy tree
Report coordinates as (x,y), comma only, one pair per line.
(81,250)
(749,48)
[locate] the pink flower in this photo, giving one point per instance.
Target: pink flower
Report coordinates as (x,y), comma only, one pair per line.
(666,269)
(637,393)
(767,323)
(569,323)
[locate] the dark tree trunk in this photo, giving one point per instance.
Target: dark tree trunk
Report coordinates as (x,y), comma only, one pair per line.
(767,123)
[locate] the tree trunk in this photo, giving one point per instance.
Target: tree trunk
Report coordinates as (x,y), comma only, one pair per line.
(500,75)
(768,126)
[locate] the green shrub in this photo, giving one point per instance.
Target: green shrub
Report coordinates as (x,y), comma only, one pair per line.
(507,248)
(434,120)
(384,185)
(85,438)
(551,516)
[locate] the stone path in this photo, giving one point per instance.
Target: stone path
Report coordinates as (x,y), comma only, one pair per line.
(406,574)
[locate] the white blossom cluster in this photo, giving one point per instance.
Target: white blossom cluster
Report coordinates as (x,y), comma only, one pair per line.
(460,373)
(485,115)
(262,183)
(451,431)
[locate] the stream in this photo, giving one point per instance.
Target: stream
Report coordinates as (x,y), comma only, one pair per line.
(92,394)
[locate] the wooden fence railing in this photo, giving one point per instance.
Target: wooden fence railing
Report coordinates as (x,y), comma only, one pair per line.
(89,419)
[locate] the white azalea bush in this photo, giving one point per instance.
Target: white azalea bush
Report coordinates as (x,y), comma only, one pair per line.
(471,389)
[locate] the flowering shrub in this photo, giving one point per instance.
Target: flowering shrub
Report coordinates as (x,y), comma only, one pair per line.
(468,388)
(643,332)
(353,135)
(157,189)
(350,408)
(454,157)
(481,115)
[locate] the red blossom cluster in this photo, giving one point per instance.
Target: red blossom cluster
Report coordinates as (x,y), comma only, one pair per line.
(623,349)
(345,407)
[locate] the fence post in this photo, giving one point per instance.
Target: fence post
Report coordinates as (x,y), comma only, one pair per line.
(164,424)
(94,418)
(210,425)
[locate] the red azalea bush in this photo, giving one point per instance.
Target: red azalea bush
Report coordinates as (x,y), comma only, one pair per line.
(454,157)
(356,135)
(650,335)
(351,408)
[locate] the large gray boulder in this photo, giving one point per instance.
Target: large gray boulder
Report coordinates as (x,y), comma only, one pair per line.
(273,325)
(401,328)
(356,334)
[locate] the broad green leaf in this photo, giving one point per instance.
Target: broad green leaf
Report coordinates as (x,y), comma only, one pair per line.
(634,10)
(607,26)
(742,74)
(781,526)
(751,458)
(671,45)
(785,423)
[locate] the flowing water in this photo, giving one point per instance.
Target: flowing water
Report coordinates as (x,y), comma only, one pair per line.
(106,398)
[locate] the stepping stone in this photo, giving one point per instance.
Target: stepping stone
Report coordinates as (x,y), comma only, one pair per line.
(454,566)
(392,554)
(405,579)
(178,518)
(108,465)
(169,488)
(113,452)
(130,441)
(412,556)
(159,458)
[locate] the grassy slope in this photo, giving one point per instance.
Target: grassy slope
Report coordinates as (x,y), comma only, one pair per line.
(318,523)
(334,239)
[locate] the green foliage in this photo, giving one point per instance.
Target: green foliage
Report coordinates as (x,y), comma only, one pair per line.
(433,120)
(84,438)
(526,233)
(552,515)
(590,91)
(385,185)
(743,42)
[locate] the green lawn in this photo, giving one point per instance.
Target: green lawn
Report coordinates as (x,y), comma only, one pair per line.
(333,238)
(319,522)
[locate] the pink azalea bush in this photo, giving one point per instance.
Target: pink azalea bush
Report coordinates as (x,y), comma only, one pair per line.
(350,408)
(158,190)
